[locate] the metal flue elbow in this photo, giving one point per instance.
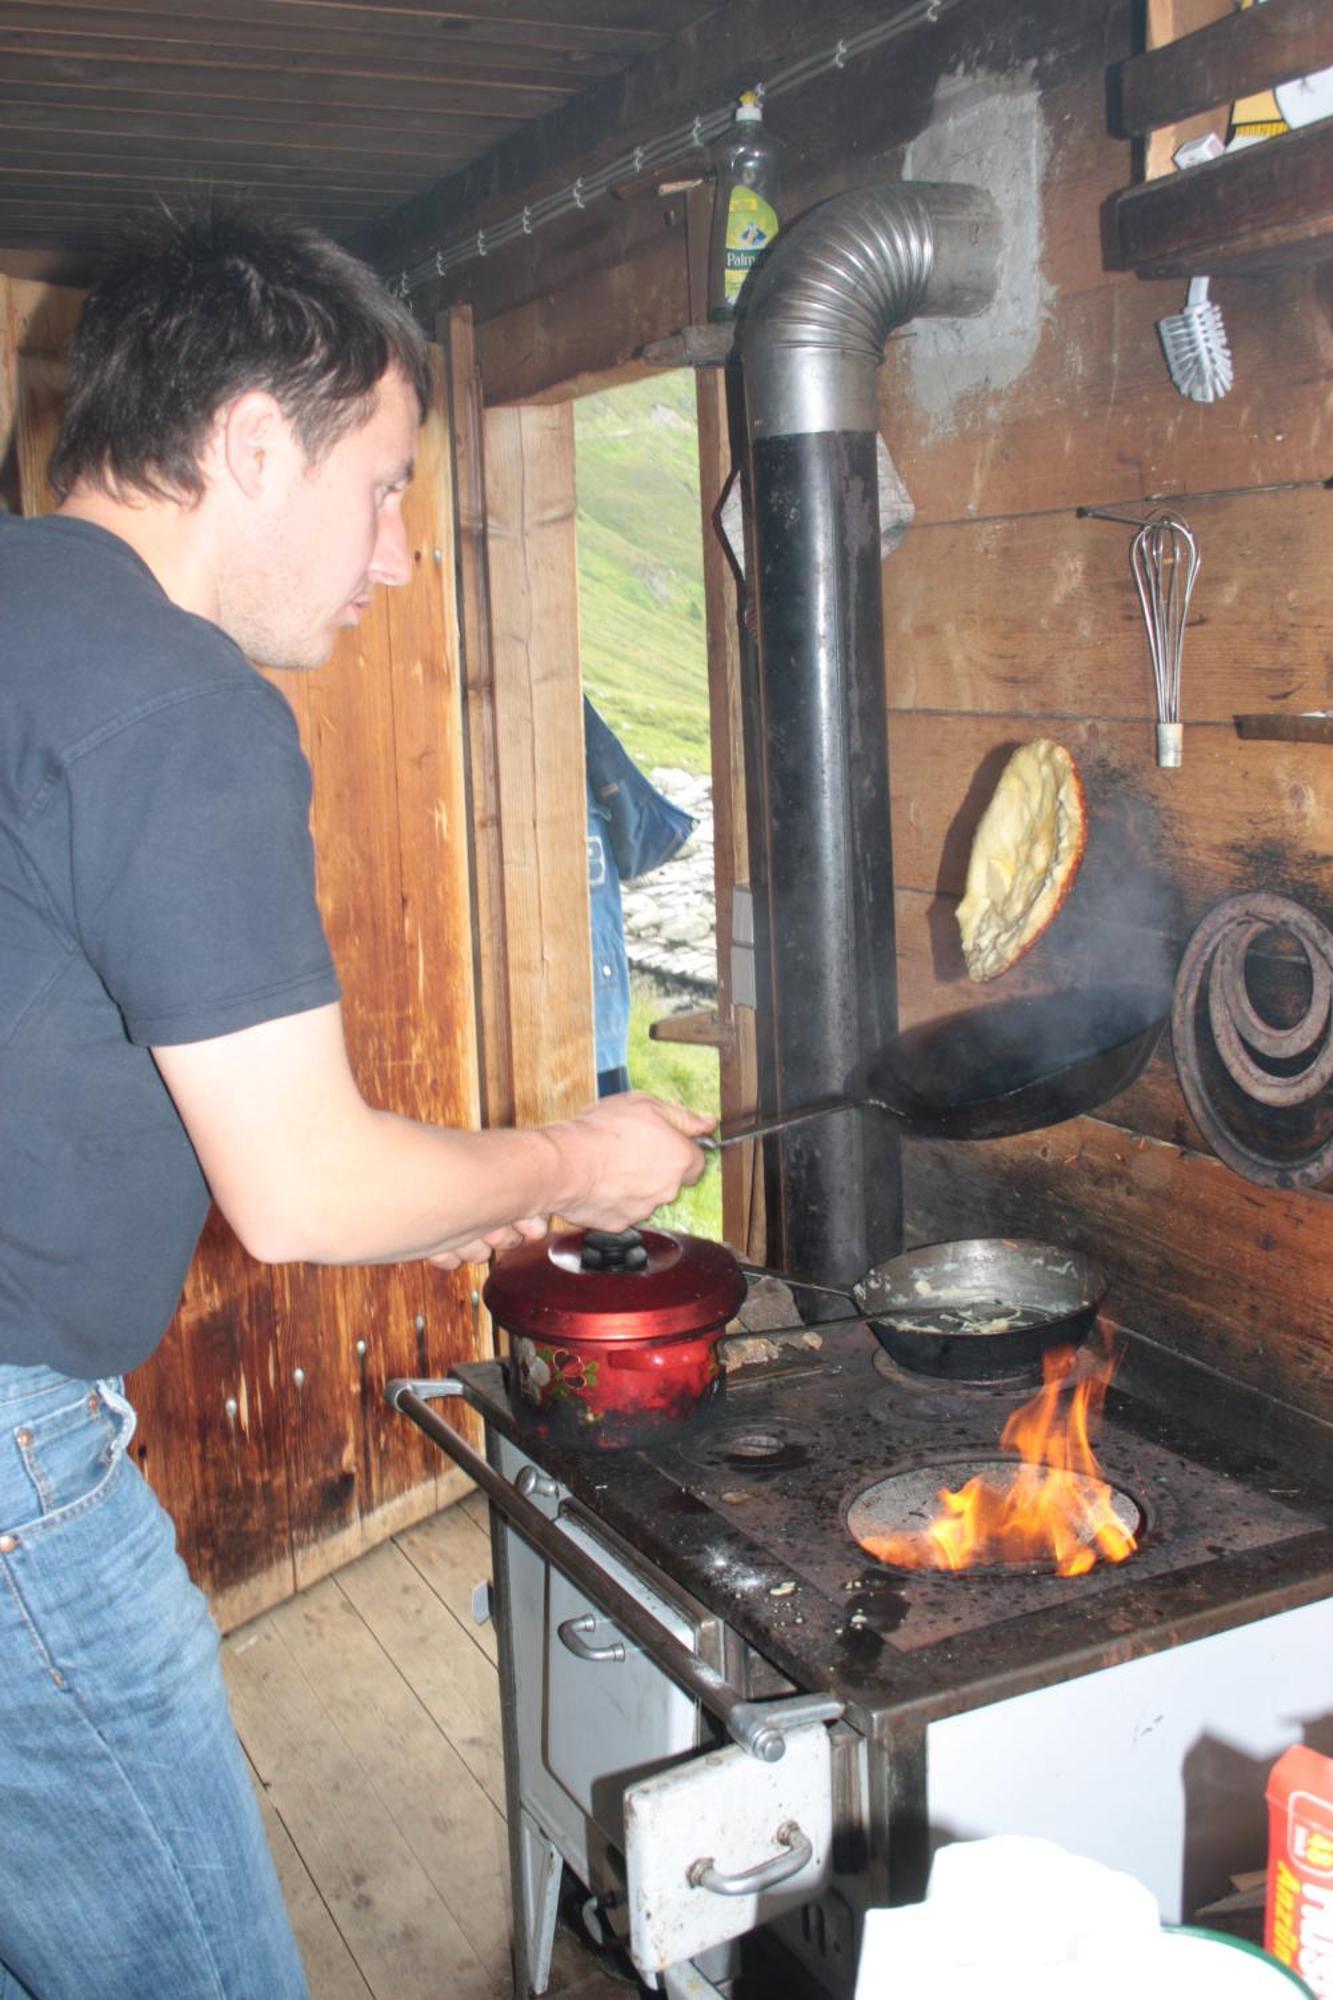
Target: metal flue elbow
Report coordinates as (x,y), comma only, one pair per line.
(837,283)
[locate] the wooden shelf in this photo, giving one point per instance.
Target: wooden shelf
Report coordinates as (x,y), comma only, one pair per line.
(1250,210)
(1285,728)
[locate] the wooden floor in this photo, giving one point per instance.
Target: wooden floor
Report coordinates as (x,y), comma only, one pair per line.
(369,1709)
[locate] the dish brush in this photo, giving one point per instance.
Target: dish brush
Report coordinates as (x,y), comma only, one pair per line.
(1194,341)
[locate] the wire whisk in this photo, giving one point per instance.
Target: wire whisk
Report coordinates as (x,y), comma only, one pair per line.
(1164,557)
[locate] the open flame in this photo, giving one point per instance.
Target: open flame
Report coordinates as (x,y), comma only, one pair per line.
(1056,1511)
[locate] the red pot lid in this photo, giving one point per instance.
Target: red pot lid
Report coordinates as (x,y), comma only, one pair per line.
(586,1285)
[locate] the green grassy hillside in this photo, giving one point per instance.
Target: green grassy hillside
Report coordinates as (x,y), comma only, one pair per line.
(641,602)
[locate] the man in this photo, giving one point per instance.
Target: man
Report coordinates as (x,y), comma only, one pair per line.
(242,409)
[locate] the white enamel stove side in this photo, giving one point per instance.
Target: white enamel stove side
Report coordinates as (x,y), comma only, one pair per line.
(608,1758)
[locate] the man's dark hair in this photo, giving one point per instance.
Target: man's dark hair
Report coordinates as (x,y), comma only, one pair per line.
(194,310)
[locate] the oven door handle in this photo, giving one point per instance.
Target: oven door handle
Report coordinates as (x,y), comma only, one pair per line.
(797,1848)
(756,1726)
(574,1636)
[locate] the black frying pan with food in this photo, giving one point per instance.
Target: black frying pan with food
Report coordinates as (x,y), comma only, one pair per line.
(977,1310)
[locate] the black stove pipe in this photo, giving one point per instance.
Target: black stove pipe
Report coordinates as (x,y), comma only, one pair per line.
(830,292)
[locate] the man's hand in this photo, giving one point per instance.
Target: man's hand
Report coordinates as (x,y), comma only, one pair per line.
(483,1248)
(628,1155)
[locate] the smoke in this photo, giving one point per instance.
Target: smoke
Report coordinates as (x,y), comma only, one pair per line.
(1124,924)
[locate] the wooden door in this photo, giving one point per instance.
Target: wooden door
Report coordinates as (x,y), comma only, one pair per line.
(262,1421)
(518,574)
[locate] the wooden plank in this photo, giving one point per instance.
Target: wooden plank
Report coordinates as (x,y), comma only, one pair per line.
(169,140)
(1039,614)
(467,426)
(704,70)
(383,727)
(331,1971)
(451,1825)
(450,1556)
(77,173)
(10,496)
(1167,21)
(272,41)
(1236,815)
(555,344)
(1249,212)
(1095,420)
(438,1062)
(348,734)
(539,724)
(213,1430)
(306,89)
(450,1676)
(741,1166)
(1234,56)
(95,185)
(402,1934)
(1257,1310)
(611,35)
(40,318)
(39,407)
(932,984)
(146,110)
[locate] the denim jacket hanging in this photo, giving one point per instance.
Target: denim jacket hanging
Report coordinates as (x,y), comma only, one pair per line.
(632,829)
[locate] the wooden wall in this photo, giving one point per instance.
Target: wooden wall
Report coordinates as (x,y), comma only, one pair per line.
(262,1421)
(1007,616)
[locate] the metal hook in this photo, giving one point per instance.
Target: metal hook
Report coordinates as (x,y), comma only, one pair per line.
(1109,514)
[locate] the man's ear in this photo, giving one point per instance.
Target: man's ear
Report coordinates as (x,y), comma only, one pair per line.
(249,442)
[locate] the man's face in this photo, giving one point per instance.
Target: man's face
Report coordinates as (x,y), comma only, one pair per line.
(312,545)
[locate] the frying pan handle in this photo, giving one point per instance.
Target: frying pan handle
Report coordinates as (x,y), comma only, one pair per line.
(798,1284)
(763,1128)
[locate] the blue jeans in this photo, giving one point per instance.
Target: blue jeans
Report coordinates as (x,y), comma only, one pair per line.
(133,1859)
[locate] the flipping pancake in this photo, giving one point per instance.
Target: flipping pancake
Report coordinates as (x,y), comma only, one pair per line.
(1025,855)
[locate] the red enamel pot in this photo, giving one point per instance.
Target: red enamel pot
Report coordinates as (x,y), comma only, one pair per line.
(613,1339)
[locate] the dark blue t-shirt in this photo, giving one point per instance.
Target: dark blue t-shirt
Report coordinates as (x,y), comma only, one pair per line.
(156,886)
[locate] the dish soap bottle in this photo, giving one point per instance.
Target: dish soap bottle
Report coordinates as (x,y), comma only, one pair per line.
(745,219)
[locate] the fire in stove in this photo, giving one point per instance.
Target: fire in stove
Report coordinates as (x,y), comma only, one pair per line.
(1047,1508)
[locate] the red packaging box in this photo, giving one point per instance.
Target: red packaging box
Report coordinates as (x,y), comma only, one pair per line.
(1298,1923)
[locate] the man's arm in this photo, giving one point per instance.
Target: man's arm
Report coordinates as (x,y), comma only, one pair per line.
(306,1171)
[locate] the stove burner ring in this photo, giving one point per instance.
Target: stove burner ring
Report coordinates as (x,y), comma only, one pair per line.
(750,1447)
(906,1502)
(944,1390)
(761,1446)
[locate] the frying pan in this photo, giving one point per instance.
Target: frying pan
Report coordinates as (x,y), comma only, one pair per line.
(989,1072)
(976,1310)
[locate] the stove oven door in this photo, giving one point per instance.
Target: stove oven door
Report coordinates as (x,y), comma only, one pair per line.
(610,1714)
(725,1843)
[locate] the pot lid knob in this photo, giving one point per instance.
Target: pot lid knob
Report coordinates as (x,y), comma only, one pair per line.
(608,1250)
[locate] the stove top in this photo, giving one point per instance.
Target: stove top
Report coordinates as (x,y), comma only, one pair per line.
(747,1511)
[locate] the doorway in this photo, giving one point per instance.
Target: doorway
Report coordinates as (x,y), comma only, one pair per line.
(643,647)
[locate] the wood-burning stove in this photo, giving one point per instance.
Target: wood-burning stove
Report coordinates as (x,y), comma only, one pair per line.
(719,1567)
